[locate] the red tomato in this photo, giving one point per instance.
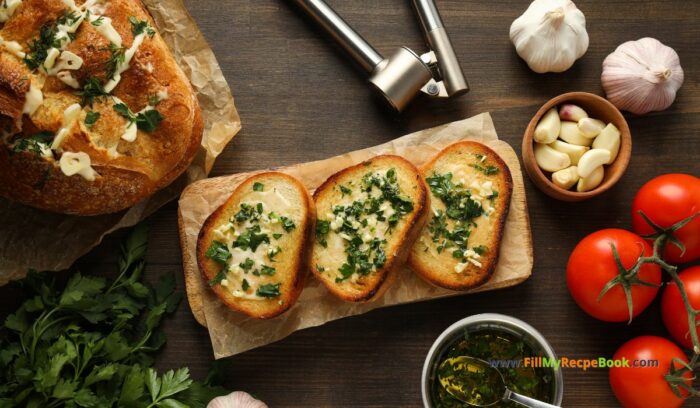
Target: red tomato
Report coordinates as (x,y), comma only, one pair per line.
(667,200)
(672,307)
(645,387)
(592,265)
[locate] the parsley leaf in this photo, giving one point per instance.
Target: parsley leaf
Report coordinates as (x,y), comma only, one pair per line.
(92,89)
(218,251)
(91,117)
(268,290)
(323,227)
(146,121)
(287,224)
(35,143)
(140,27)
(218,278)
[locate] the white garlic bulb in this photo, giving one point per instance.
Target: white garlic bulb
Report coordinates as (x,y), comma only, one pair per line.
(642,76)
(238,399)
(550,36)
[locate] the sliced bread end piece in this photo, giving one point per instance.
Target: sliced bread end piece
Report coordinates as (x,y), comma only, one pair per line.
(470,190)
(253,250)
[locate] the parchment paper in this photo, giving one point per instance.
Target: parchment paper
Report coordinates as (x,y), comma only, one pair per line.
(233,333)
(35,239)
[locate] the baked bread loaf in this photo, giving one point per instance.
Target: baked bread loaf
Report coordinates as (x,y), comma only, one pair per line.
(470,189)
(369,215)
(95,113)
(253,250)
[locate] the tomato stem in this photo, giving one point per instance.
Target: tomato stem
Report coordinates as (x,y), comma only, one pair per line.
(661,237)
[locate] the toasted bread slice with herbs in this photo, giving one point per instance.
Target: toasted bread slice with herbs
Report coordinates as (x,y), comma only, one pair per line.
(470,189)
(369,215)
(253,250)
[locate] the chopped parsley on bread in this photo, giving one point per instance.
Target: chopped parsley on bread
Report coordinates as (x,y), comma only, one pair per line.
(470,190)
(253,250)
(369,215)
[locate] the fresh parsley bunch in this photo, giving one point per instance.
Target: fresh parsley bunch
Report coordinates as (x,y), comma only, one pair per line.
(91,344)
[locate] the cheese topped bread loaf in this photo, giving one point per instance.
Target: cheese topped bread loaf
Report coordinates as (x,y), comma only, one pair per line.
(95,114)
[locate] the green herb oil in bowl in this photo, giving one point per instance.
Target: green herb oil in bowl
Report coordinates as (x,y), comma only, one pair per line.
(489,339)
(489,344)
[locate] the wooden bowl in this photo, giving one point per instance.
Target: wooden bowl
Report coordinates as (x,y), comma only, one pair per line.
(597,108)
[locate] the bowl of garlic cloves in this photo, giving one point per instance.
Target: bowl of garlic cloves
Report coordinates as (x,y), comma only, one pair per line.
(577,146)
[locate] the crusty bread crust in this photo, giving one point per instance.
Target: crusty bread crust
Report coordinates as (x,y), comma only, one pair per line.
(151,162)
(295,273)
(442,273)
(397,252)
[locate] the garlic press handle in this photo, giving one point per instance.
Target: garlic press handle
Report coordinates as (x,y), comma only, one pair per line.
(439,42)
(352,42)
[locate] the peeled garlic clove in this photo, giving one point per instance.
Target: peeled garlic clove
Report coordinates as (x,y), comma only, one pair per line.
(574,151)
(549,159)
(570,134)
(591,160)
(572,113)
(77,163)
(609,139)
(592,181)
(565,178)
(590,128)
(548,129)
(642,76)
(238,399)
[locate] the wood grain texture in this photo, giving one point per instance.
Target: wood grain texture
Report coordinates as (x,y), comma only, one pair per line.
(300,100)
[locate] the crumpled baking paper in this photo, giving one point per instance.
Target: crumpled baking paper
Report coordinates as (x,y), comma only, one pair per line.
(35,239)
(232,333)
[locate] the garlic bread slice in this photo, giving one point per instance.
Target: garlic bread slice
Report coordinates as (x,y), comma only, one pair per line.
(470,190)
(253,250)
(369,215)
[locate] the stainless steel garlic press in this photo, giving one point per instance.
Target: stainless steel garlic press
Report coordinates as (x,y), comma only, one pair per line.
(405,74)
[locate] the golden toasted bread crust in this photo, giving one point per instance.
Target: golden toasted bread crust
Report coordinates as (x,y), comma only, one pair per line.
(268,308)
(473,276)
(128,172)
(398,252)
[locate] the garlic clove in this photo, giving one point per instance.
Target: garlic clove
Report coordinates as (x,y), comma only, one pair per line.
(591,160)
(238,399)
(574,151)
(609,139)
(566,178)
(549,159)
(572,113)
(570,134)
(592,181)
(77,163)
(548,129)
(642,76)
(590,127)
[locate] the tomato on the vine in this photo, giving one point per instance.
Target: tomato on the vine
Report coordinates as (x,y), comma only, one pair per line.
(673,309)
(667,200)
(645,386)
(592,266)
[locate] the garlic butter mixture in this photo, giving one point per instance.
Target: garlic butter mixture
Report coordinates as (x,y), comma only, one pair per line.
(459,204)
(46,55)
(247,246)
(361,223)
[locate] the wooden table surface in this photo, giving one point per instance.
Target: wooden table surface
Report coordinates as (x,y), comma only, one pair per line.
(301,100)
